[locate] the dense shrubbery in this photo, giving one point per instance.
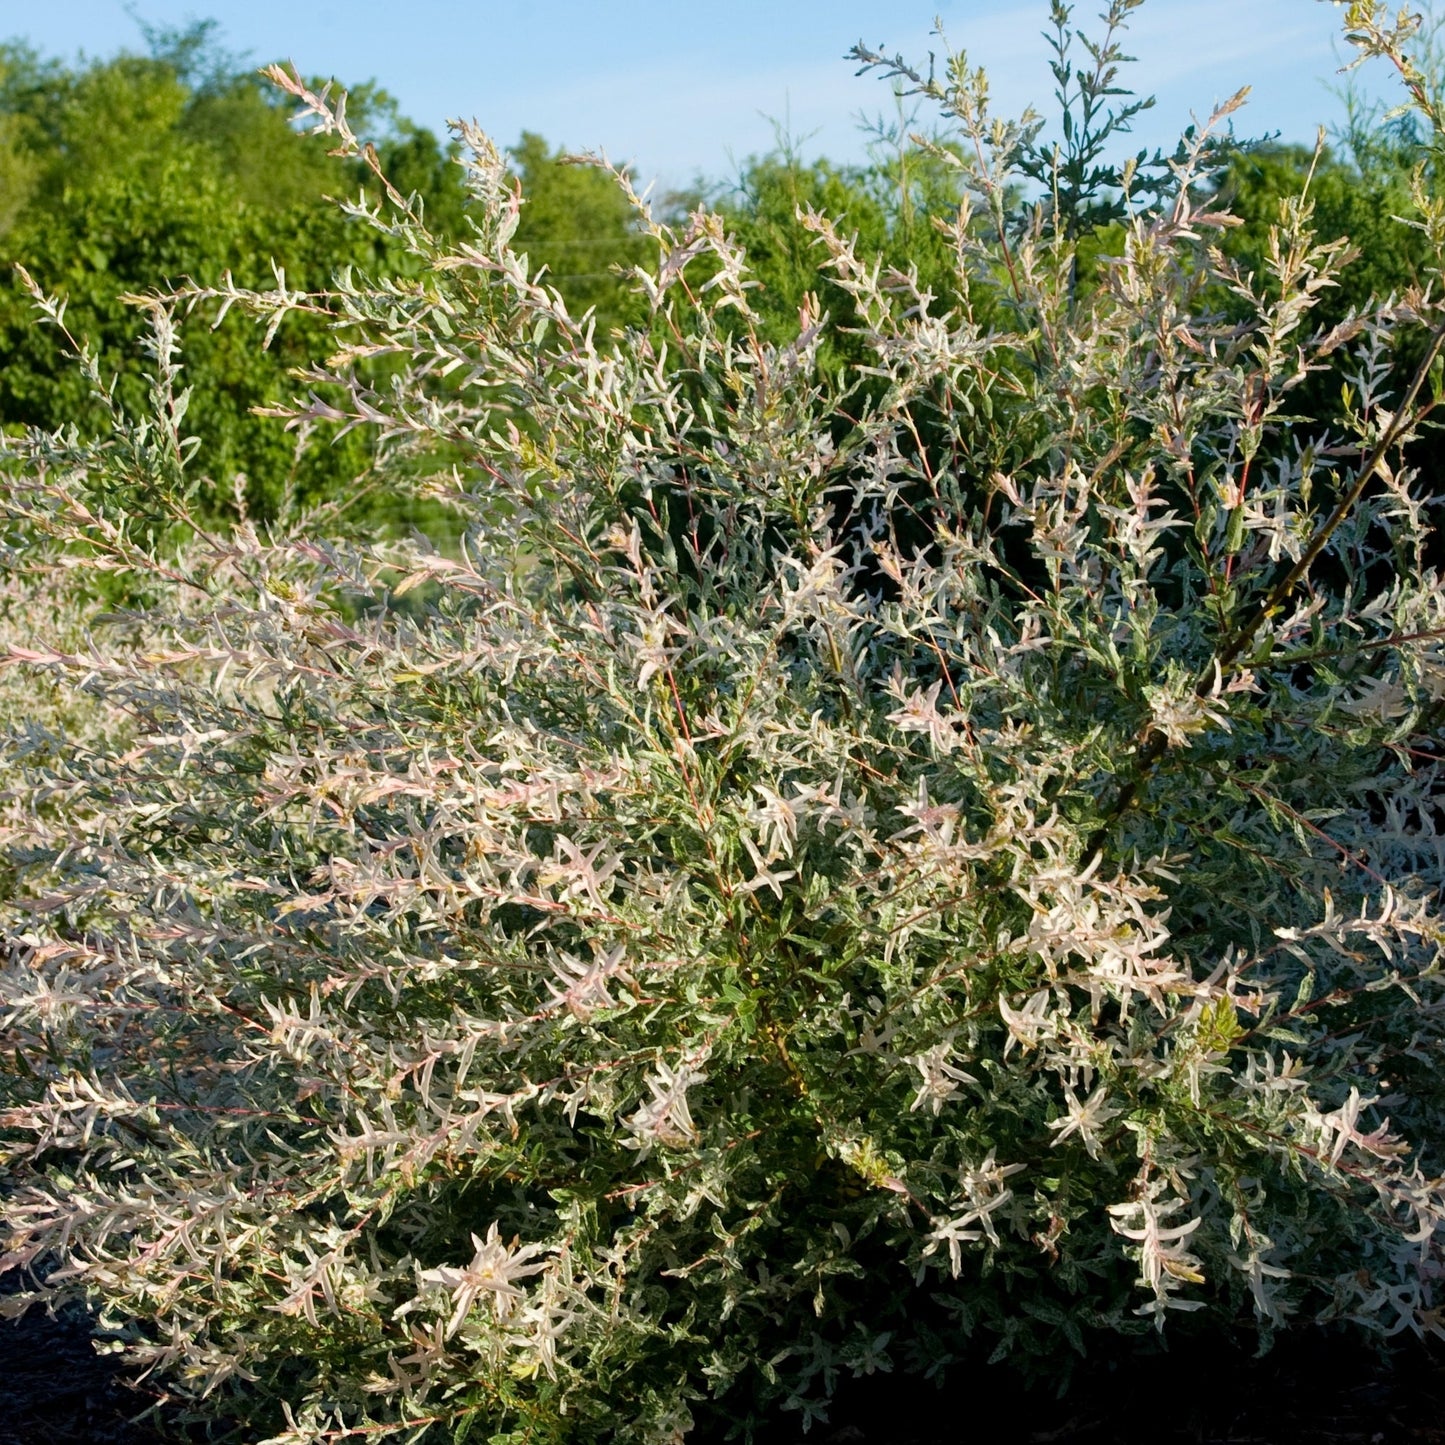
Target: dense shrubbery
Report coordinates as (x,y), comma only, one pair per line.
(212,177)
(845,862)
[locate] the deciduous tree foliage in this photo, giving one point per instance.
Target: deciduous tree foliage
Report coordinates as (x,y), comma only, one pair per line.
(209,178)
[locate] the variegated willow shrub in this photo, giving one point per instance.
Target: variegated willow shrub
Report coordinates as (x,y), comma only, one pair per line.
(835,867)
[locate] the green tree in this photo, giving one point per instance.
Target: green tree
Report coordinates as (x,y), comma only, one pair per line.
(577,223)
(1360,197)
(211,178)
(898,205)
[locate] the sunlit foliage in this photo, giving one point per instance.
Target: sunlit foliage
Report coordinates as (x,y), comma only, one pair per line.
(781,897)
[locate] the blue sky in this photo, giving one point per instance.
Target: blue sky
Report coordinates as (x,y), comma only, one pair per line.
(680,88)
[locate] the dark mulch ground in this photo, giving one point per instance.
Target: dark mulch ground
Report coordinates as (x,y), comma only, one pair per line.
(1313,1391)
(54,1390)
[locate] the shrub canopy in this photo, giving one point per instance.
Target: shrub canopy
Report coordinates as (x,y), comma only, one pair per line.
(843,862)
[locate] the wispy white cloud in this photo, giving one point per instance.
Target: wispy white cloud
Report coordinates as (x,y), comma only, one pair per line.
(681,88)
(695,109)
(680,121)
